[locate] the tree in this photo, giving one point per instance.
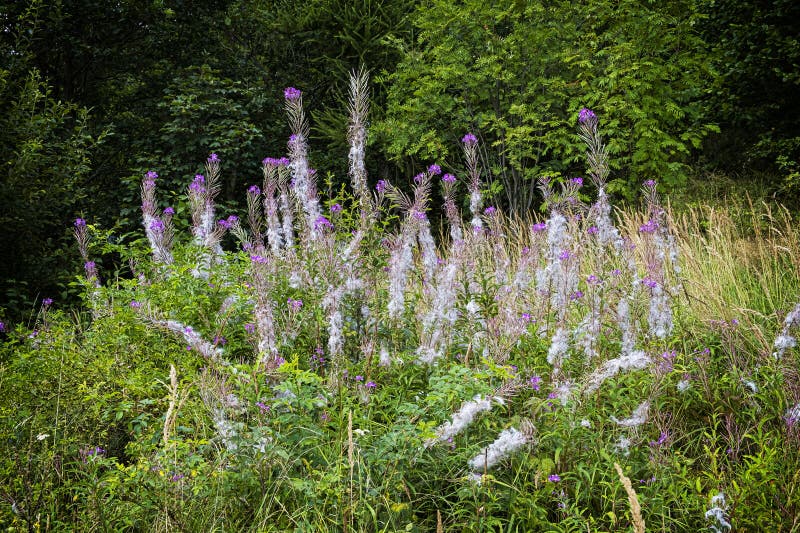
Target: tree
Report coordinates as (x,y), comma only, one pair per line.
(517,74)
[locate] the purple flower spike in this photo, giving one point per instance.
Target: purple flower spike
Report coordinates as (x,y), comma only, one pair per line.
(586,115)
(169,211)
(291,94)
(539,227)
(577,181)
(381,186)
(254,190)
(336,208)
(489,211)
(650,184)
(434,170)
(469,139)
(554,478)
(47,302)
(213,158)
(449,178)
(371,385)
(80,223)
(151,176)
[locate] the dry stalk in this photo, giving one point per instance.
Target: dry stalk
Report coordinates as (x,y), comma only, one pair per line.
(633,501)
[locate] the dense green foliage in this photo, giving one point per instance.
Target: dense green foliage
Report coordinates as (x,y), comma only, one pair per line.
(517,74)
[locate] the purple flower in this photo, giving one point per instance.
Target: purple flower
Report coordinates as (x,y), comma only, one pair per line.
(577,295)
(577,181)
(250,328)
(419,215)
(198,184)
(293,138)
(527,318)
(291,94)
(2,327)
(294,305)
(418,177)
(177,477)
(650,184)
(650,282)
(554,478)
(592,280)
(534,381)
(213,158)
(47,302)
(449,178)
(592,230)
(586,115)
(135,305)
(336,208)
(80,223)
(157,226)
(381,186)
(89,265)
(224,223)
(151,176)
(263,407)
(359,378)
(469,139)
(539,226)
(434,170)
(254,190)
(564,255)
(661,440)
(168,211)
(371,385)
(220,340)
(648,227)
(258,259)
(489,211)
(322,223)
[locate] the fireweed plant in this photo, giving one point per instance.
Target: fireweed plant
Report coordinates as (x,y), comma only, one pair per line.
(339,368)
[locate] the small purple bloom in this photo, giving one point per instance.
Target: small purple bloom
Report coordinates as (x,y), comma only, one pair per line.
(534,381)
(135,305)
(157,226)
(577,181)
(489,211)
(47,302)
(649,227)
(381,186)
(224,223)
(420,215)
(554,478)
(449,178)
(539,227)
(650,282)
(359,378)
(168,211)
(564,255)
(592,230)
(213,158)
(336,208)
(650,184)
(151,176)
(371,385)
(2,327)
(263,407)
(322,223)
(89,265)
(586,116)
(177,477)
(592,280)
(434,170)
(469,139)
(80,223)
(577,295)
(291,94)
(254,190)
(220,340)
(250,328)
(418,178)
(258,259)
(294,305)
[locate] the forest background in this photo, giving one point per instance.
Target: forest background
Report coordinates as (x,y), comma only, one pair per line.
(701,95)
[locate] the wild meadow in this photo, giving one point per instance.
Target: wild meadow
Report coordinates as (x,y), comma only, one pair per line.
(408,357)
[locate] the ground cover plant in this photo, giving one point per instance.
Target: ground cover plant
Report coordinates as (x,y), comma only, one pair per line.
(405,357)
